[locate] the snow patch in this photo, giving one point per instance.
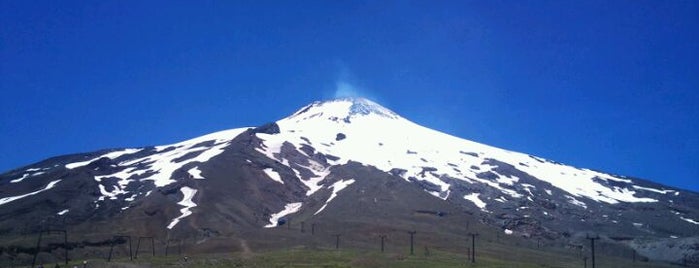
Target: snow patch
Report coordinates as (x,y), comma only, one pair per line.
(652,189)
(28,175)
(576,202)
(62,212)
(689,220)
(124,180)
(195,173)
(477,201)
(160,166)
(507,180)
(9,199)
(187,203)
(440,195)
(271,147)
(20,179)
(273,175)
(288,209)
(337,187)
(312,183)
(112,155)
(529,191)
(508,232)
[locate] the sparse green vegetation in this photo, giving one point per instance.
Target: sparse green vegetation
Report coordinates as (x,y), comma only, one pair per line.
(361,258)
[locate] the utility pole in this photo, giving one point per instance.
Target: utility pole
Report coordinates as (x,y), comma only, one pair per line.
(138,245)
(302,226)
(412,235)
(48,232)
(38,247)
(65,244)
(585,261)
(592,246)
(313,228)
(337,241)
(382,239)
(111,249)
(473,246)
(179,248)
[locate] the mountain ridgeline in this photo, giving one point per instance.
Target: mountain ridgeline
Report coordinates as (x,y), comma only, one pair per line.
(346,166)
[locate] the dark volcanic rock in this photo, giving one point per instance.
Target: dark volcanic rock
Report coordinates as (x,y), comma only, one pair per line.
(469,153)
(425,170)
(269,128)
(487,175)
(397,172)
(426,185)
(331,157)
(307,149)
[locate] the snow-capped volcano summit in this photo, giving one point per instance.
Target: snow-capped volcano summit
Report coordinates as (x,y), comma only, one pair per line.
(376,136)
(344,109)
(324,157)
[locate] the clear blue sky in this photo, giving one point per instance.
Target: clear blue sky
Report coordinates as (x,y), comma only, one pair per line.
(608,85)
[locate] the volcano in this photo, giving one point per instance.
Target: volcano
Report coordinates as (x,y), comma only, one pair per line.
(344,166)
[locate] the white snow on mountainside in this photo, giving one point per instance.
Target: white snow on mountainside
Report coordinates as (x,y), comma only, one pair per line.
(352,129)
(360,130)
(157,167)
